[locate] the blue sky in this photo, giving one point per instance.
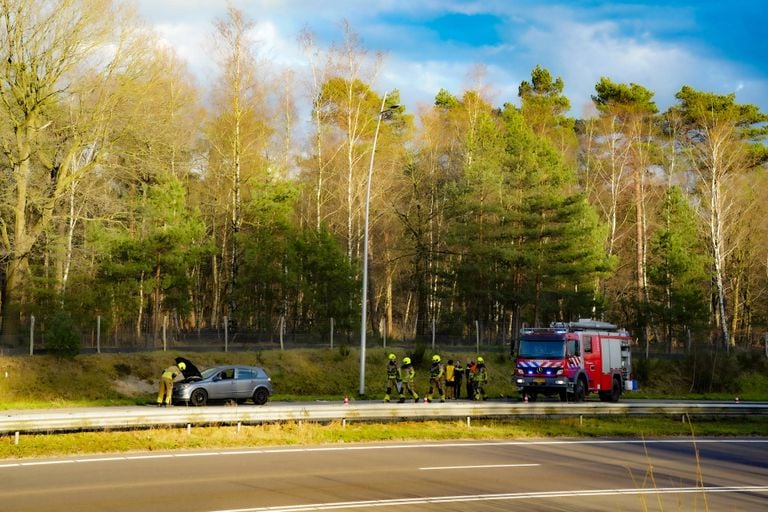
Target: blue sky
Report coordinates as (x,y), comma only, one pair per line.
(711,45)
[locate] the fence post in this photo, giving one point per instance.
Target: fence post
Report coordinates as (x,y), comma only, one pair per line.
(282,329)
(31,334)
(226,334)
(331,333)
(477,335)
(98,334)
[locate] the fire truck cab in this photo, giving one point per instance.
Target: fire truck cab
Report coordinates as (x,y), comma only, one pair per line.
(573,359)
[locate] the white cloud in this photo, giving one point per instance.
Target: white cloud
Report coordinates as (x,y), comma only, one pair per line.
(568,41)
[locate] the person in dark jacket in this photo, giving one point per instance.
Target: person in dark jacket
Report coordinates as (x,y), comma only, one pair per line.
(450,380)
(468,377)
(458,375)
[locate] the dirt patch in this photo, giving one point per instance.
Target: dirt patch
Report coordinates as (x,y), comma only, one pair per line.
(133,386)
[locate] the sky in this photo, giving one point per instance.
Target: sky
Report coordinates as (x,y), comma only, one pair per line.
(711,45)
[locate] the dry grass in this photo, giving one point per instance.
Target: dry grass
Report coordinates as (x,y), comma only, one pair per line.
(306,433)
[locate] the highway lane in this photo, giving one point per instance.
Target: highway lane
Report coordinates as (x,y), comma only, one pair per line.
(542,475)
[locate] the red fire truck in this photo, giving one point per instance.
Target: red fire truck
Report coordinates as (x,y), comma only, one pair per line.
(573,359)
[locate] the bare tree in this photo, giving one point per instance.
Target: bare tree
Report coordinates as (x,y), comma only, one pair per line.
(60,65)
(718,139)
(238,134)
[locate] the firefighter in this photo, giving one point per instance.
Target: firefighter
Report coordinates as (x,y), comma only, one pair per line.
(394,378)
(436,375)
(480,379)
(407,373)
(170,375)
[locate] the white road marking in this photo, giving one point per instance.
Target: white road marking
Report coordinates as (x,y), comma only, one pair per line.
(259,451)
(480,466)
(495,497)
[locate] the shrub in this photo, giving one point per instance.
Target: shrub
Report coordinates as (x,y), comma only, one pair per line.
(61,337)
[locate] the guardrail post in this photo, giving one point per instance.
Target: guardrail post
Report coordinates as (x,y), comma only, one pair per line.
(16,438)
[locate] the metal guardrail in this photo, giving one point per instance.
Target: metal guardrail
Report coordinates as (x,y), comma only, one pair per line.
(142,417)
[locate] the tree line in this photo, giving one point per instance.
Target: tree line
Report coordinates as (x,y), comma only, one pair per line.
(131,192)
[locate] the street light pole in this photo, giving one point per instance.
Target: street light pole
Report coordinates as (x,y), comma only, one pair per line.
(364,298)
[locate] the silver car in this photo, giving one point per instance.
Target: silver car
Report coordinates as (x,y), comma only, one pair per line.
(238,383)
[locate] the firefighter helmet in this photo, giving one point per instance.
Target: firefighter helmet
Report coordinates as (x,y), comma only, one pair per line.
(182,366)
(435,358)
(480,360)
(406,360)
(392,357)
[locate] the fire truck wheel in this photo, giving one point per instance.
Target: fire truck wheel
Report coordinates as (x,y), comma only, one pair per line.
(615,390)
(580,391)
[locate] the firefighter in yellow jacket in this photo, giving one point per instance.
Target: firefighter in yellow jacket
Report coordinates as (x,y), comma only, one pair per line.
(170,375)
(394,379)
(436,377)
(407,373)
(480,380)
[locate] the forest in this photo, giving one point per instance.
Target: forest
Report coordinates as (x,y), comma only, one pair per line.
(131,192)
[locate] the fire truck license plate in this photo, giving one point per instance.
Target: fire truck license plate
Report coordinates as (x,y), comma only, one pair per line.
(539,381)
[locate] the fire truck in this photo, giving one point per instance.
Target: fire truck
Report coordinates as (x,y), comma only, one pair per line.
(570,360)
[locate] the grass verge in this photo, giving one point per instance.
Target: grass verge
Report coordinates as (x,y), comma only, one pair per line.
(305,433)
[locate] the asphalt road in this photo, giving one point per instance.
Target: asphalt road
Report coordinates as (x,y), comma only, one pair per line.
(557,475)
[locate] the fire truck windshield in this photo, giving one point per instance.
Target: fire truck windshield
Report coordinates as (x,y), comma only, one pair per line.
(542,349)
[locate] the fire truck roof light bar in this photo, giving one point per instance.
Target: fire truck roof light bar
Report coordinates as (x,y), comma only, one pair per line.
(583,324)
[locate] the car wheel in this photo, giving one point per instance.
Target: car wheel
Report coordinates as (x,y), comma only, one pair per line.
(199,397)
(260,396)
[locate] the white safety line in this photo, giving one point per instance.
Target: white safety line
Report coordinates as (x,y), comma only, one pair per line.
(497,497)
(480,466)
(171,455)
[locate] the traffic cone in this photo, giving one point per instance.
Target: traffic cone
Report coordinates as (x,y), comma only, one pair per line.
(346,400)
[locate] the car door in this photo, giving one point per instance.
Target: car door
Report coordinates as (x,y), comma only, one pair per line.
(222,385)
(243,387)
